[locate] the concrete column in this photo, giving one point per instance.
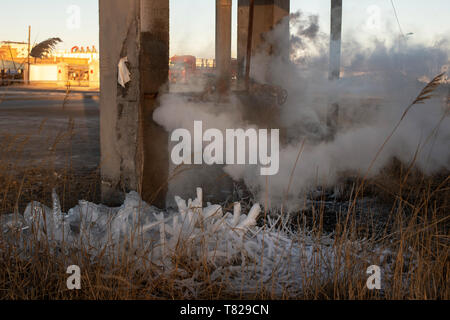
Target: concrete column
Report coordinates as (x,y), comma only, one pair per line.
(334,64)
(154,65)
(223,43)
(335,39)
(133,148)
(267,14)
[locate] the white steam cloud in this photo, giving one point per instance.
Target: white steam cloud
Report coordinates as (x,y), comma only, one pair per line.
(378,84)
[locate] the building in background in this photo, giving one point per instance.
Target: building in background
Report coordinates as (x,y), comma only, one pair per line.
(13,56)
(13,50)
(77,67)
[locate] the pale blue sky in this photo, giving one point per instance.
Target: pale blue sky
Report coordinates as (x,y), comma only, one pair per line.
(192,21)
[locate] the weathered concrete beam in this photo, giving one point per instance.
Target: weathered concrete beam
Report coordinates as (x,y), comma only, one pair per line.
(267,14)
(133,148)
(223,43)
(335,39)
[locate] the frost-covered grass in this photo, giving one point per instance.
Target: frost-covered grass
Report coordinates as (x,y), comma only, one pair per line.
(209,251)
(203,251)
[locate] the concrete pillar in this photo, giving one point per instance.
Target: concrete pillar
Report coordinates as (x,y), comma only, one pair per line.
(154,64)
(223,43)
(267,14)
(133,147)
(334,64)
(335,39)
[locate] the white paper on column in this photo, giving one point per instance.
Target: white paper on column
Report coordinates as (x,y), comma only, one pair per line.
(124,73)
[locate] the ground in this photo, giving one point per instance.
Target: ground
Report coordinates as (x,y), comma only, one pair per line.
(48,137)
(42,115)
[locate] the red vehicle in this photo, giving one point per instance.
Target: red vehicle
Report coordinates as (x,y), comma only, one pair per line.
(181,68)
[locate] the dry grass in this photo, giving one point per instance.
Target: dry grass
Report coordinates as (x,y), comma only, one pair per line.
(415,242)
(418,243)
